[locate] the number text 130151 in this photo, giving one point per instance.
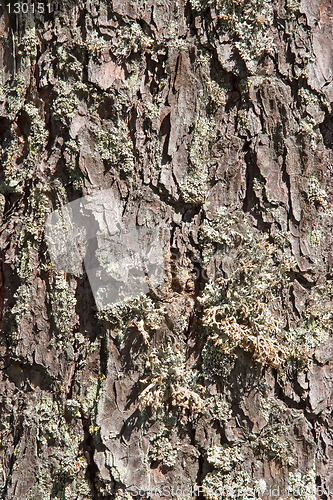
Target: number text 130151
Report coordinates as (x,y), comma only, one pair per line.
(25,8)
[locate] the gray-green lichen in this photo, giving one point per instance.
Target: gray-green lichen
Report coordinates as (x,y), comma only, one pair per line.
(70,464)
(249,22)
(273,442)
(194,186)
(131,40)
(224,458)
(65,102)
(19,171)
(140,314)
(236,486)
(29,42)
(303,486)
(169,385)
(162,450)
(114,144)
(237,314)
(315,192)
(63,303)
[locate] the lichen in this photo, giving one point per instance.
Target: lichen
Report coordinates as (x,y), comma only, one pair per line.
(274,443)
(249,22)
(293,5)
(68,468)
(66,61)
(114,144)
(309,129)
(170,385)
(140,314)
(38,135)
(315,193)
(89,402)
(237,311)
(63,303)
(2,205)
(303,486)
(131,40)
(31,234)
(162,450)
(17,171)
(243,318)
(21,309)
(219,408)
(96,44)
(65,103)
(194,186)
(14,93)
(237,486)
(71,155)
(29,42)
(315,238)
(224,229)
(216,90)
(224,458)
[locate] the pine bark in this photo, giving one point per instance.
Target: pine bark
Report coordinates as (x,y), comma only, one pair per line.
(213,120)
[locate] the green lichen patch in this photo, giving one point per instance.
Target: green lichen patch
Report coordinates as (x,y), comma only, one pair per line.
(65,103)
(131,40)
(114,144)
(19,170)
(67,62)
(216,89)
(29,42)
(96,44)
(13,92)
(63,303)
(224,458)
(315,193)
(225,229)
(67,470)
(194,186)
(21,309)
(237,486)
(170,386)
(243,318)
(274,444)
(71,157)
(162,450)
(248,21)
(89,402)
(140,314)
(238,308)
(303,486)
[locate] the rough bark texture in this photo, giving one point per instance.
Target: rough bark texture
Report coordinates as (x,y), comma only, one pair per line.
(213,118)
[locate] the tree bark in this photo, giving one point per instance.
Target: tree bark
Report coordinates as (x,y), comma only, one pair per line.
(210,119)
